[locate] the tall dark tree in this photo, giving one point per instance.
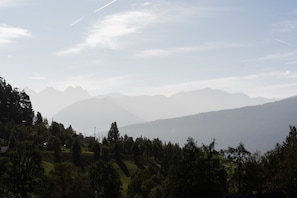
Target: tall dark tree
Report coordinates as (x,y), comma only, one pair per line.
(190,150)
(127,143)
(105,180)
(286,177)
(239,155)
(15,105)
(254,173)
(26,169)
(69,181)
(96,150)
(38,119)
(113,134)
(113,138)
(105,150)
(145,183)
(199,174)
(135,150)
(26,108)
(55,145)
(157,148)
(76,151)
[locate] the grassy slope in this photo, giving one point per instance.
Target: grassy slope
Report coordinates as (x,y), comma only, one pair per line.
(87,157)
(124,179)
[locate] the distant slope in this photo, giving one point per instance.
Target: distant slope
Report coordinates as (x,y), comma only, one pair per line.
(157,107)
(50,101)
(83,116)
(258,127)
(63,106)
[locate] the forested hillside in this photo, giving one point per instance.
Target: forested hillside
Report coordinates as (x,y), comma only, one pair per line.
(15,105)
(41,159)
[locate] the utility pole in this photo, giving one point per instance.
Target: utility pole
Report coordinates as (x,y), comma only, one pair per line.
(95,132)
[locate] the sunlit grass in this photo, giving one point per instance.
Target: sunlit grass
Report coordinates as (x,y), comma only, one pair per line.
(48,167)
(124,179)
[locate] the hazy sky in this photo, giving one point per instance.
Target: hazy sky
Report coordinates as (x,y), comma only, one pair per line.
(151,47)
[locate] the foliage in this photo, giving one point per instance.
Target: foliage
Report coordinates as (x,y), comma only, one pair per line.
(283,162)
(239,156)
(78,166)
(14,105)
(105,180)
(25,169)
(113,138)
(143,182)
(66,180)
(96,150)
(76,151)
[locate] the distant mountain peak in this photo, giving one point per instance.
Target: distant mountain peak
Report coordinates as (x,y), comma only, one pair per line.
(51,100)
(111,95)
(48,89)
(76,91)
(71,88)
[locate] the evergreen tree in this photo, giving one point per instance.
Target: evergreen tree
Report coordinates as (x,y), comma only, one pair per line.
(239,155)
(76,151)
(96,150)
(286,178)
(67,181)
(113,134)
(38,119)
(105,180)
(113,138)
(14,105)
(26,169)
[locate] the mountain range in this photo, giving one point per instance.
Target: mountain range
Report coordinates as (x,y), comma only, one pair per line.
(204,114)
(258,127)
(50,101)
(101,111)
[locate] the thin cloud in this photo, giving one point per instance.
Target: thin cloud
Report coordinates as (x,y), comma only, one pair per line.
(6,3)
(178,50)
(9,34)
(37,76)
(11,3)
(270,85)
(146,4)
(107,32)
(72,50)
(285,26)
(274,56)
(292,62)
(282,42)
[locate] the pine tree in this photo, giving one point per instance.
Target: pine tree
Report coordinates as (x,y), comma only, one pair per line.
(76,152)
(113,134)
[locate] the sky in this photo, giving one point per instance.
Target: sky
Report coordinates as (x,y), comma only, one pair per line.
(150,47)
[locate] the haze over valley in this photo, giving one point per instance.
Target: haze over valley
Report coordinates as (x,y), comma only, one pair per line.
(148,98)
(99,111)
(204,114)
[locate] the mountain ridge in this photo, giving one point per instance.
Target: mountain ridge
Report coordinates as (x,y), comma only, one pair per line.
(249,125)
(149,108)
(50,100)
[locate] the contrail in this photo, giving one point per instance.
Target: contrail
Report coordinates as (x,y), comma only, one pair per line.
(282,41)
(77,21)
(101,8)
